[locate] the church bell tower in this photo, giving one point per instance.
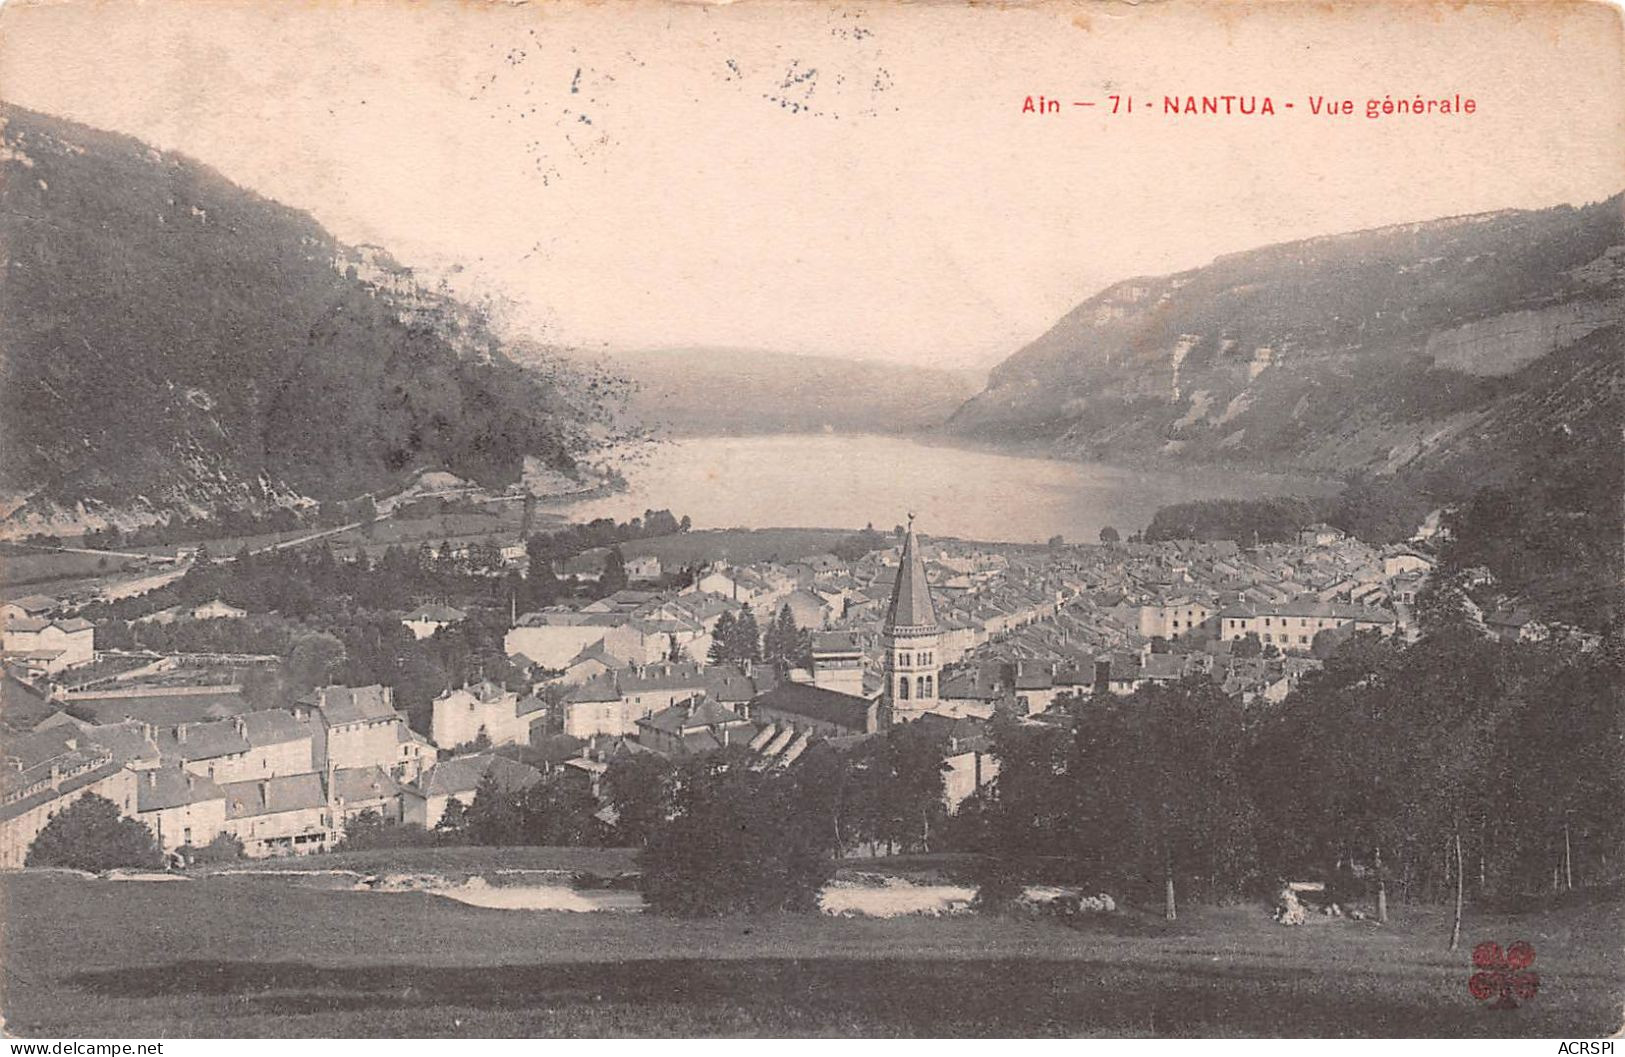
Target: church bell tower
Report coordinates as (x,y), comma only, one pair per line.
(910,640)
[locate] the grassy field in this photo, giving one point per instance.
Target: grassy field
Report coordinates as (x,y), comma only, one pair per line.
(457,861)
(257,956)
(27,566)
(740,546)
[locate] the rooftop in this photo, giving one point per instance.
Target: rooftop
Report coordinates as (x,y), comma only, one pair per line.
(817,703)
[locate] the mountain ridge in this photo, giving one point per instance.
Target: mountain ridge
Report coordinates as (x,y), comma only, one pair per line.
(1388,350)
(172,342)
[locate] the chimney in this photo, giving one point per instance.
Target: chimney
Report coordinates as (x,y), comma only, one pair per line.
(152,779)
(191,781)
(265,793)
(180,733)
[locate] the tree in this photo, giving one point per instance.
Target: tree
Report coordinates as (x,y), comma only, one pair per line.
(736,638)
(453,825)
(636,786)
(737,840)
(916,762)
(90,834)
(722,637)
(367,514)
(493,818)
(747,637)
(785,646)
(614,577)
(1158,790)
(853,547)
(556,811)
(1056,542)
(1109,535)
(312,662)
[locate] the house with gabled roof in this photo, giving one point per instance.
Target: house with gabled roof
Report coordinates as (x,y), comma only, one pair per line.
(358,790)
(969,763)
(286,815)
(181,808)
(27,606)
(241,748)
(1516,624)
(357,725)
(591,662)
(611,704)
(459,777)
(49,644)
(809,609)
(693,726)
(551,637)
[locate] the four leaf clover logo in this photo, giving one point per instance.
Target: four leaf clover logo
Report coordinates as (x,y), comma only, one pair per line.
(1505,976)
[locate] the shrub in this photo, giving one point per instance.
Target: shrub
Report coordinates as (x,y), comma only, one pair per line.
(371,830)
(224,848)
(91,835)
(998,885)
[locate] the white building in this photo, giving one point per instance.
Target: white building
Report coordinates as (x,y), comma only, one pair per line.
(424,621)
(48,644)
(837,662)
(462,715)
(1174,618)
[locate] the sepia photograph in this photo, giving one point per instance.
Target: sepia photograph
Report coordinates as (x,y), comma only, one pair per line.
(865,519)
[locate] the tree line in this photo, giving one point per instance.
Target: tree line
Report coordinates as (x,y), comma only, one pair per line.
(1370,772)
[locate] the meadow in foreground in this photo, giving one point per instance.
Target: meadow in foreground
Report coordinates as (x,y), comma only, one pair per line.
(261,956)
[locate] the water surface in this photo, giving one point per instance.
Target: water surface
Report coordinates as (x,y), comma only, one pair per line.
(848,481)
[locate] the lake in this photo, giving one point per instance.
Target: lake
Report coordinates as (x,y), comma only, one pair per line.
(848,481)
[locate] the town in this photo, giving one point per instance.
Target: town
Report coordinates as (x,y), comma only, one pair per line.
(537,521)
(948,631)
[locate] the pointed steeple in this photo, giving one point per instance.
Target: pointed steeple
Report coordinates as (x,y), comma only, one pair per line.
(911,597)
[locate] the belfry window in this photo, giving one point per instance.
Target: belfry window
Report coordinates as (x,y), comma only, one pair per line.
(902,688)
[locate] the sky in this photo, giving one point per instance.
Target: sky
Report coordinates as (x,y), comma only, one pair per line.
(847,179)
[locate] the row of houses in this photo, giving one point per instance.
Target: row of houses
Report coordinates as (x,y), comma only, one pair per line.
(280,780)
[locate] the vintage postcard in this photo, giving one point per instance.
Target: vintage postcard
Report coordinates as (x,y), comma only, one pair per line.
(811,518)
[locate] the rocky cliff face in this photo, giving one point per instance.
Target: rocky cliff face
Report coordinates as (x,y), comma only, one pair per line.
(172,342)
(1411,348)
